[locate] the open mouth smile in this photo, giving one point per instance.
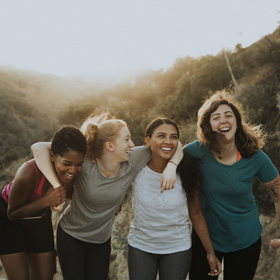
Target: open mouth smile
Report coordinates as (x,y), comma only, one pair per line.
(166,149)
(225,129)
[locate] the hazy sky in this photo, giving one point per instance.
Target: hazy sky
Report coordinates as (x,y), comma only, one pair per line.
(67,37)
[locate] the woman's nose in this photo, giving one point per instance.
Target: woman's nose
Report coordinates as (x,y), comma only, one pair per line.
(131,144)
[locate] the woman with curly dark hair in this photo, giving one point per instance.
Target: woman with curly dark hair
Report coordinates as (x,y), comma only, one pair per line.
(230,156)
(159,238)
(26,232)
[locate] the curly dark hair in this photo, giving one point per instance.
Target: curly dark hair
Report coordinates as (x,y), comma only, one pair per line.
(190,174)
(68,138)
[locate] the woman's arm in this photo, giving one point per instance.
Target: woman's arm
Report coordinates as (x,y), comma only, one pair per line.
(168,178)
(41,152)
(273,189)
(24,183)
(200,226)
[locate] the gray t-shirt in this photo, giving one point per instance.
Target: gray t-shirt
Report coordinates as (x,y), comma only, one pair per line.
(91,213)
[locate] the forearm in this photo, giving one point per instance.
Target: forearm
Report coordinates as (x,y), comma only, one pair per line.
(200,225)
(27,210)
(277,209)
(273,189)
(178,155)
(41,152)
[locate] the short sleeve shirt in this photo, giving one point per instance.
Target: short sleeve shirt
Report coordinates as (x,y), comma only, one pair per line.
(227,199)
(91,214)
(160,224)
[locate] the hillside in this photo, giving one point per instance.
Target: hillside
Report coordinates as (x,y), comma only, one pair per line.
(31,106)
(34,105)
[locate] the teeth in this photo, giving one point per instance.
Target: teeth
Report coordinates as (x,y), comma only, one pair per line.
(70,175)
(129,152)
(166,149)
(224,129)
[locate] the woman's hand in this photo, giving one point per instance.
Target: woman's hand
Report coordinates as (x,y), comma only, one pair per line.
(118,210)
(275,243)
(55,196)
(168,177)
(215,265)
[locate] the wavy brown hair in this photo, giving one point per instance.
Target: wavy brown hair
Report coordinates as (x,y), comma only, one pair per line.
(99,129)
(248,138)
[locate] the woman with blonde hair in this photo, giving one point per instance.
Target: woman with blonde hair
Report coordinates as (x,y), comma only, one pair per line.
(112,162)
(230,156)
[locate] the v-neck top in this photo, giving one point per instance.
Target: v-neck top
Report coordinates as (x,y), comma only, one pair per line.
(227,199)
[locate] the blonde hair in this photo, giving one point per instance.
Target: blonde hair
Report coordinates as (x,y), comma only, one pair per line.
(98,130)
(248,138)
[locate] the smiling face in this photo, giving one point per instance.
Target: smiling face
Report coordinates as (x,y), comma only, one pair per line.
(123,145)
(163,142)
(68,165)
(223,121)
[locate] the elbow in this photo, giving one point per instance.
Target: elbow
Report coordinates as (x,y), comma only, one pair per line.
(11,217)
(34,147)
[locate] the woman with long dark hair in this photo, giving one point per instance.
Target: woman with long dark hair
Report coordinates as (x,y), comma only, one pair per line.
(230,156)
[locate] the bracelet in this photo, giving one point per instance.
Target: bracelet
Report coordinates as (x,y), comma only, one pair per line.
(173,162)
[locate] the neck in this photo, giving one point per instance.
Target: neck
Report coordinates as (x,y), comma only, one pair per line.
(108,168)
(228,153)
(157,165)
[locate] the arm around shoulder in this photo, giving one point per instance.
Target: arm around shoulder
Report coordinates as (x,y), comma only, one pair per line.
(41,152)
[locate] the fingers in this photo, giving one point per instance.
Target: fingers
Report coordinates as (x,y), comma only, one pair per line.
(118,210)
(216,268)
(167,185)
(275,243)
(57,195)
(59,207)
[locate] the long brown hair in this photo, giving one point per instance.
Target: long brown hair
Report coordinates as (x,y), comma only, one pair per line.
(248,138)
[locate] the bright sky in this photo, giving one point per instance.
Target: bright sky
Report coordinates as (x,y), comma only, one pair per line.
(94,37)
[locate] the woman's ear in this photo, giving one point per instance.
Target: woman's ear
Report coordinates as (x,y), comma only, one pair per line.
(52,157)
(148,141)
(110,146)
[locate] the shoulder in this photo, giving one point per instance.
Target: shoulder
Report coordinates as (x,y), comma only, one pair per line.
(26,175)
(140,152)
(259,156)
(28,169)
(193,145)
(195,149)
(141,149)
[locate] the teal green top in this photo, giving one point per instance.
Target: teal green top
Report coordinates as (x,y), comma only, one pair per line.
(227,199)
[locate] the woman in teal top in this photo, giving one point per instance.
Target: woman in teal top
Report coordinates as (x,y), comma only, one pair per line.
(230,157)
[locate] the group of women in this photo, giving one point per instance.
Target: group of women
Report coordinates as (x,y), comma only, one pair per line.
(212,188)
